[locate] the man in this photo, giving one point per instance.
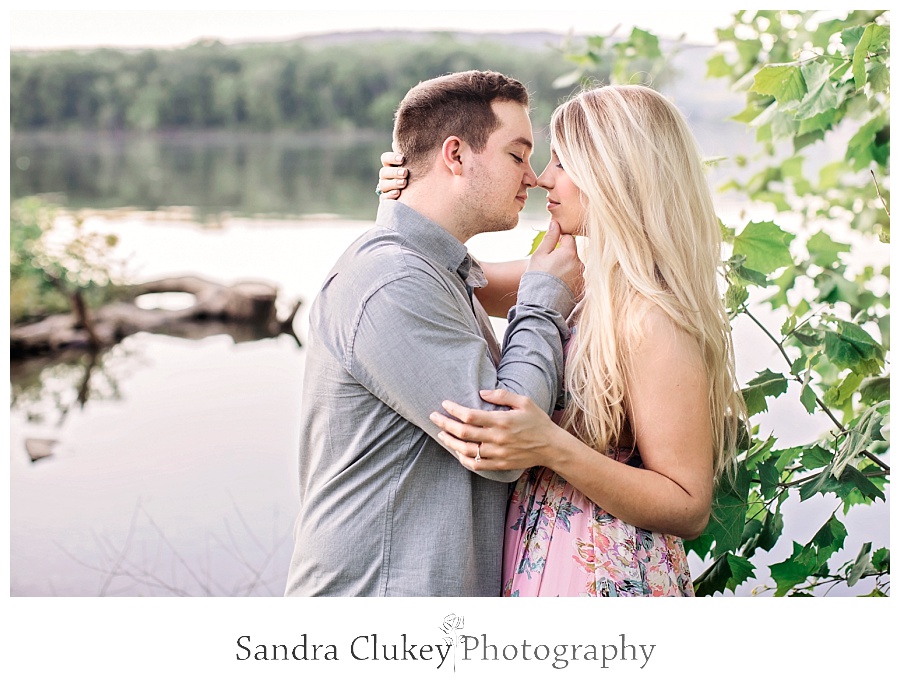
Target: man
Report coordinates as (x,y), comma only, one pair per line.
(385,509)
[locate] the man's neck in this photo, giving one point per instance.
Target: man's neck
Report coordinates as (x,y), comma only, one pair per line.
(441,208)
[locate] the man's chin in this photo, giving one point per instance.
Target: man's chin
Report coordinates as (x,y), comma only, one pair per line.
(504,226)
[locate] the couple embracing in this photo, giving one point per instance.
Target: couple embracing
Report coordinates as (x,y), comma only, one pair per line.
(574,458)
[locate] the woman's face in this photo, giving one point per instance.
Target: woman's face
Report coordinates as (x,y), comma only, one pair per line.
(564,200)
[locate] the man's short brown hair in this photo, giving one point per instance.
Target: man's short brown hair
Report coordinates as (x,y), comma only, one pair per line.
(456,104)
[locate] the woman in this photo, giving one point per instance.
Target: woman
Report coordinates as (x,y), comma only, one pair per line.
(628,468)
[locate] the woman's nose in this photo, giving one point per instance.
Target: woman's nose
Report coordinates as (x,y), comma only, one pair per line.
(545,181)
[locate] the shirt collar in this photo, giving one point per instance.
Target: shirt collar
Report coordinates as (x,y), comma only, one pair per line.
(475,277)
(430,239)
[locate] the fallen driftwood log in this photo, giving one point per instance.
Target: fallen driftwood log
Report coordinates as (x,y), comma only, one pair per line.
(250,303)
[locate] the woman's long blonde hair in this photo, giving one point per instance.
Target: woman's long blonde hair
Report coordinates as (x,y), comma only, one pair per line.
(653,238)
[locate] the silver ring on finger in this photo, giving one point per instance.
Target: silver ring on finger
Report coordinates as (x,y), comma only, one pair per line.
(478,453)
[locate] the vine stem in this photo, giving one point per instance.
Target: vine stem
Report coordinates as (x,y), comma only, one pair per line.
(821,404)
(878,191)
(833,580)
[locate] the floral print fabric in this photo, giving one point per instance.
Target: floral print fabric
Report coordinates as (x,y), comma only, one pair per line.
(559,543)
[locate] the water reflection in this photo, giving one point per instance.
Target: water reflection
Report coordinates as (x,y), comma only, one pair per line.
(172,472)
(46,389)
(284,174)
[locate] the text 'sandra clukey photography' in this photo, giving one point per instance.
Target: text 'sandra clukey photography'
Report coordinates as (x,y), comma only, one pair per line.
(451,650)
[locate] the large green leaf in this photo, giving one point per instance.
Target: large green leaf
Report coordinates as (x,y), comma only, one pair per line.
(716,67)
(808,398)
(741,570)
(850,37)
(881,559)
(750,276)
(726,572)
(839,395)
(769,476)
(828,540)
(783,81)
(750,113)
(852,487)
(773,526)
(853,348)
(879,77)
(765,245)
(862,149)
(729,510)
(714,579)
(644,43)
(822,96)
(701,546)
(790,572)
(875,389)
(811,559)
(822,121)
(823,250)
(726,524)
(816,456)
(852,479)
(834,287)
(874,38)
(538,238)
(786,457)
(748,51)
(858,438)
(765,384)
(759,451)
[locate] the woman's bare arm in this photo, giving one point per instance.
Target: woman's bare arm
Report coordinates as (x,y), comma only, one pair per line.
(503,286)
(667,393)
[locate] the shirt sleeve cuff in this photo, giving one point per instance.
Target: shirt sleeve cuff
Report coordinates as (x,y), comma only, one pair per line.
(549,291)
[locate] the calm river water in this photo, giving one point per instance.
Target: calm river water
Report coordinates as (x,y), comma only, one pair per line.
(178,474)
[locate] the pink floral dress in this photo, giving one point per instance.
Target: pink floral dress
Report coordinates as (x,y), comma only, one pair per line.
(558,543)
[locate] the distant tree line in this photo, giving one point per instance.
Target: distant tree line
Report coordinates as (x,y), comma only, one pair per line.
(258,87)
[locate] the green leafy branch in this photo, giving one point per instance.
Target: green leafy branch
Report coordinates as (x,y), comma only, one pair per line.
(817,90)
(637,58)
(769,384)
(814,79)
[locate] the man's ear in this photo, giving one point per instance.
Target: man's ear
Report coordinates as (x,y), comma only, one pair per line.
(451,154)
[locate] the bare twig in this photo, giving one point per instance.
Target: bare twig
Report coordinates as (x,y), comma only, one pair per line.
(143,567)
(878,191)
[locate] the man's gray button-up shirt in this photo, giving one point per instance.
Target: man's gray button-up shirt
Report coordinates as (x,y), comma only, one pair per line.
(385,509)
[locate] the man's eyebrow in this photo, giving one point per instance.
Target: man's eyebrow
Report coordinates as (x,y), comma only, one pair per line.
(523,141)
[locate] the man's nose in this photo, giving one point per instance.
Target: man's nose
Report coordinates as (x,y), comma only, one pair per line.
(530,178)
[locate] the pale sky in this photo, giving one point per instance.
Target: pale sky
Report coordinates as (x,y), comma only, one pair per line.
(47,25)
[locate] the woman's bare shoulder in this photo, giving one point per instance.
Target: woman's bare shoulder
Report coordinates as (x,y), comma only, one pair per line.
(662,338)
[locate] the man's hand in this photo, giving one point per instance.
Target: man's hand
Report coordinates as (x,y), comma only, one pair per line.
(558,255)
